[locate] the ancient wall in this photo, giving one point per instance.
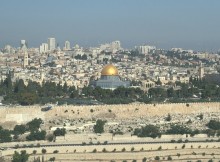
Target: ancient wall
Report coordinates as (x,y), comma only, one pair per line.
(23,114)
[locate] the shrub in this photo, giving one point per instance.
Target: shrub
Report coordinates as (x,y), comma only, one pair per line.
(44,151)
(213,124)
(94,151)
(200,116)
(123,150)
(90,143)
(52,159)
(98,143)
(132,149)
(169,158)
(16,146)
(157,158)
(31,145)
(193,153)
(210,132)
(83,143)
(178,129)
(50,137)
(23,156)
(183,146)
(147,131)
(60,132)
(172,141)
(55,151)
(168,118)
(99,126)
(36,135)
(34,151)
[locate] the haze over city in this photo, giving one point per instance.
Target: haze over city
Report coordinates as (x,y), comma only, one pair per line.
(109,80)
(165,24)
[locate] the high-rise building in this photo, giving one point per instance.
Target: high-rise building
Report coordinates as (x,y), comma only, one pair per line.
(145,49)
(67,46)
(51,44)
(23,45)
(44,48)
(116,45)
(112,47)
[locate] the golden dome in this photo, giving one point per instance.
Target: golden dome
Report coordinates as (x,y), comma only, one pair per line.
(109,70)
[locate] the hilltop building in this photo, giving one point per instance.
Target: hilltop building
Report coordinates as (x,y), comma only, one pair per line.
(51,44)
(110,79)
(66,46)
(44,48)
(23,45)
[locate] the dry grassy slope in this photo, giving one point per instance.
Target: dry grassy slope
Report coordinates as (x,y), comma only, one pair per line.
(22,114)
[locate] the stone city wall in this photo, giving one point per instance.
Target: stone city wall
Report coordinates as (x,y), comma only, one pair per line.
(21,114)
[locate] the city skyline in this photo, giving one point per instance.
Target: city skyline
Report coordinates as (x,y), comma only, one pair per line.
(165,24)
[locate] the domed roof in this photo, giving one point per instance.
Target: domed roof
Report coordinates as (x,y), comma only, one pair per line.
(109,70)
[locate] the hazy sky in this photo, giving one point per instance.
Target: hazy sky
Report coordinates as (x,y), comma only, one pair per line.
(191,24)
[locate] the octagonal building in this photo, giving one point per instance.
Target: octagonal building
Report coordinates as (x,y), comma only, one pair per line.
(110,79)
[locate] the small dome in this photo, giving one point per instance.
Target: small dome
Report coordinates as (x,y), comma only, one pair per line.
(109,70)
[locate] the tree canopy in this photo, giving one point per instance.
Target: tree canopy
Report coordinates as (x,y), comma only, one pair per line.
(213,124)
(22,157)
(99,126)
(147,131)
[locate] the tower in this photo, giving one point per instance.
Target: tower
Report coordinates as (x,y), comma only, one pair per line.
(66,45)
(44,48)
(51,44)
(25,63)
(201,71)
(23,45)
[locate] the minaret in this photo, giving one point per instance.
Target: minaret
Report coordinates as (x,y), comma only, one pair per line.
(25,63)
(201,71)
